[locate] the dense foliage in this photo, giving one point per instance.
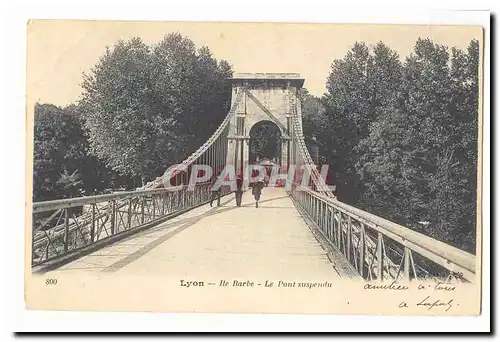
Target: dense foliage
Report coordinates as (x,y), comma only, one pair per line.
(399,136)
(403,136)
(314,118)
(63,166)
(265,141)
(59,153)
(143,109)
(147,107)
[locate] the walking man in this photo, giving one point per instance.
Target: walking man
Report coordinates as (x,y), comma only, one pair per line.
(256,191)
(215,193)
(239,190)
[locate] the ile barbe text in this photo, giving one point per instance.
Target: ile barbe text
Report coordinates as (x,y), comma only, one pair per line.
(248,283)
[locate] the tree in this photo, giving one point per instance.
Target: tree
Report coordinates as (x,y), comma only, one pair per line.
(117,107)
(419,156)
(147,107)
(313,115)
(358,88)
(265,140)
(59,153)
(456,180)
(193,88)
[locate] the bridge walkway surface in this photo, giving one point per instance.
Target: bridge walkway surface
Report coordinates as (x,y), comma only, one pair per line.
(270,241)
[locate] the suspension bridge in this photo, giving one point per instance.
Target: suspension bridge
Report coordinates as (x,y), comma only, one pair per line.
(300,230)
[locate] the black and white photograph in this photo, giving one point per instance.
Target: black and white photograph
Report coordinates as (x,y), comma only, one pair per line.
(254,167)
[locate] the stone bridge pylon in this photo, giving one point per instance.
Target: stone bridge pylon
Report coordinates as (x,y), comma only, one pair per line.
(266,97)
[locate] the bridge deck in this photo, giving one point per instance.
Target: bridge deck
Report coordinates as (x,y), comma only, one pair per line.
(272,240)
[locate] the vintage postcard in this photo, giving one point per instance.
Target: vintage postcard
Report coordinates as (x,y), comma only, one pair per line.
(254,167)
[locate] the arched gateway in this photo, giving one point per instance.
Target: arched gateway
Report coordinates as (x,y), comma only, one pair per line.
(266,97)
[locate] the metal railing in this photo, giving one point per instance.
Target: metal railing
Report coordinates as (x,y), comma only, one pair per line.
(64,226)
(375,247)
(67,225)
(213,152)
(301,156)
(380,249)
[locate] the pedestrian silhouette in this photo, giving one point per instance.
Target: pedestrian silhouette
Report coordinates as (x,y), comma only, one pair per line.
(239,190)
(215,192)
(257,191)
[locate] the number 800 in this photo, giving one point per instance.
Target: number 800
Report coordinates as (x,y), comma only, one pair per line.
(50,281)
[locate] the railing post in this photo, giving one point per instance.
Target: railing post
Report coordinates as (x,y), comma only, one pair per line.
(331,224)
(170,202)
(129,218)
(320,218)
(328,222)
(92,223)
(325,216)
(113,215)
(339,230)
(164,199)
(407,263)
(33,242)
(66,229)
(334,227)
(153,205)
(362,250)
(349,238)
(312,207)
(318,208)
(380,256)
(143,199)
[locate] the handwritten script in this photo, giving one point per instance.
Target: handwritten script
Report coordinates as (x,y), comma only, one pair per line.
(439,299)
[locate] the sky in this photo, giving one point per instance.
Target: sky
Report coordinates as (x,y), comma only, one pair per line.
(60,51)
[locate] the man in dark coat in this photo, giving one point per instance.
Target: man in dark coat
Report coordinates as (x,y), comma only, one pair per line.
(215,194)
(257,191)
(239,190)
